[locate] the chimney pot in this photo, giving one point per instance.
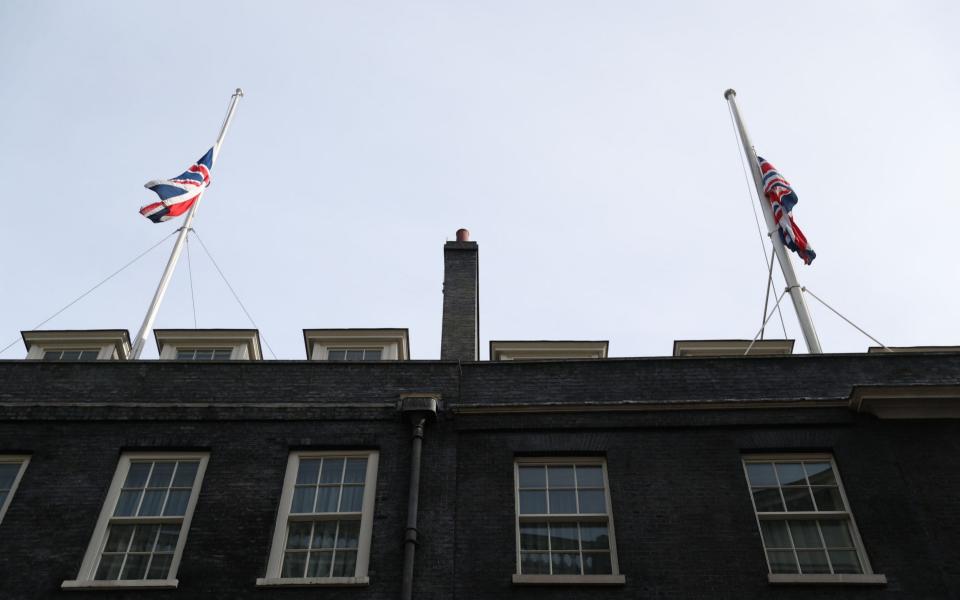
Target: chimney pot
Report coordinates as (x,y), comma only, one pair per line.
(463,235)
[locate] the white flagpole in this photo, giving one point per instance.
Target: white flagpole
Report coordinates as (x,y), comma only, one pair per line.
(151,316)
(796,293)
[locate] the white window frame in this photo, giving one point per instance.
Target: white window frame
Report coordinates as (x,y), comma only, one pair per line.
(85,579)
(58,350)
(615,577)
(867,577)
(236,352)
(275,562)
(374,348)
(13,459)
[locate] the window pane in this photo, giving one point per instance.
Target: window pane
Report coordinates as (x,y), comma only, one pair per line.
(371,355)
(782,561)
(186,473)
(51,355)
(535,563)
(332,470)
(336,355)
(160,566)
(137,475)
(791,474)
(345,563)
(203,355)
(775,534)
(532,477)
(594,537)
(597,563)
(8,473)
(562,502)
(152,502)
(533,502)
(813,561)
(177,503)
(349,534)
(185,354)
(798,498)
(356,470)
(3,497)
(592,501)
(144,538)
(294,564)
(845,561)
(303,499)
(761,474)
(351,499)
(109,567)
(533,536)
(768,500)
(324,534)
(319,564)
(70,355)
(162,473)
(567,563)
(308,471)
(167,540)
(828,498)
(327,499)
(222,354)
(563,537)
(820,473)
(590,476)
(354,354)
(127,503)
(836,534)
(298,536)
(805,534)
(561,476)
(135,567)
(118,538)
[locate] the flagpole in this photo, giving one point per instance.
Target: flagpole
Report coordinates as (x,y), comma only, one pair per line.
(786,266)
(141,339)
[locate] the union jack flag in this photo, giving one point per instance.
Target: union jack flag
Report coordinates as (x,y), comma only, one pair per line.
(177,195)
(782,199)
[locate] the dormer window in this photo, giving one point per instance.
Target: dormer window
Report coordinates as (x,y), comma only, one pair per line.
(714,348)
(205,354)
(356,344)
(67,355)
(208,344)
(547,350)
(355,354)
(77,345)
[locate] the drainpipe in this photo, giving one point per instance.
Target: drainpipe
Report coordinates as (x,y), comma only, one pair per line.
(417,408)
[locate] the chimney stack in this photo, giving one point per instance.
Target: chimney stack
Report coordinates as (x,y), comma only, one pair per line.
(460,333)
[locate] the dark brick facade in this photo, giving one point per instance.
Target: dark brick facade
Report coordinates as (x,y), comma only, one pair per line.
(672,431)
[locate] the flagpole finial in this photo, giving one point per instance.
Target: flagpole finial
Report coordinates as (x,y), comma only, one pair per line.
(239,92)
(730,92)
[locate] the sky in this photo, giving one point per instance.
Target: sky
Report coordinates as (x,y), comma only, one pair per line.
(586,145)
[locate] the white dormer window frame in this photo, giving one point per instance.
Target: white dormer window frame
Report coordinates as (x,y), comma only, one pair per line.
(393,344)
(547,350)
(173,344)
(97,344)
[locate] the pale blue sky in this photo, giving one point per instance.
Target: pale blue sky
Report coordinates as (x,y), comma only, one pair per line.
(586,145)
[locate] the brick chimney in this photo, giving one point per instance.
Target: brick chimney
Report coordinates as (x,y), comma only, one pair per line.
(460,334)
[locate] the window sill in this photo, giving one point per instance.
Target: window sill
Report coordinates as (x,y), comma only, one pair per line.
(852,579)
(312,581)
(121,584)
(569,579)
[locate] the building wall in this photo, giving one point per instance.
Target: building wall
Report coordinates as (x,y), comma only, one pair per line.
(681,508)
